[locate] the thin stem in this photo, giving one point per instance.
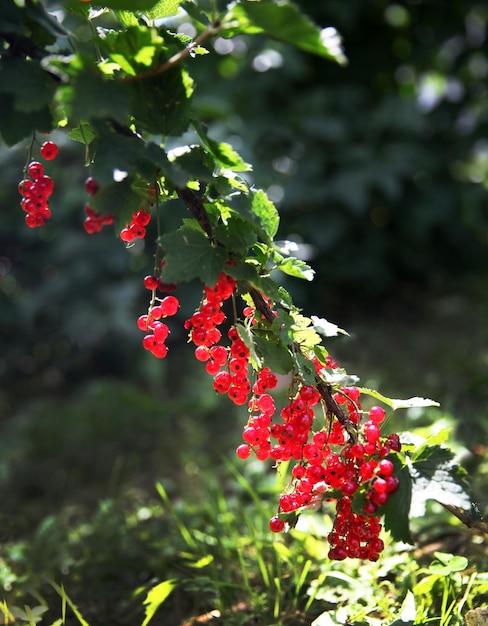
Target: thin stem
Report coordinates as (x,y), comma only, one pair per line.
(176,58)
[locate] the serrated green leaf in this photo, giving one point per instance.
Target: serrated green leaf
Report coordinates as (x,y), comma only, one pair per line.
(237,234)
(247,337)
(84,133)
(127,18)
(397,509)
(190,254)
(283,21)
(295,267)
(223,153)
(414,402)
(164,8)
(155,597)
(194,161)
(93,96)
(161,104)
(325,328)
(437,476)
(134,48)
(266,212)
(274,355)
(306,369)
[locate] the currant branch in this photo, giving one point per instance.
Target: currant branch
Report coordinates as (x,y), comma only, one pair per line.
(176,58)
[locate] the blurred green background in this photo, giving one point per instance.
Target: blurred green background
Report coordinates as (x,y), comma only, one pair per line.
(379,170)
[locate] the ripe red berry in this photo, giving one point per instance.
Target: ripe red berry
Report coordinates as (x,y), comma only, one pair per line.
(91,186)
(169,306)
(243,451)
(150,282)
(35,169)
(276,525)
(49,150)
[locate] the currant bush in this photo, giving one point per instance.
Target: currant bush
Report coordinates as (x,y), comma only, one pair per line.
(303,411)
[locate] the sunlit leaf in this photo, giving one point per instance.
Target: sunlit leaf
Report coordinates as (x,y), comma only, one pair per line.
(164,8)
(156,596)
(266,212)
(415,402)
(325,328)
(283,21)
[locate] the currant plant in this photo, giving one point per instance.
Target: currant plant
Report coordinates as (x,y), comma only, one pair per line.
(126,95)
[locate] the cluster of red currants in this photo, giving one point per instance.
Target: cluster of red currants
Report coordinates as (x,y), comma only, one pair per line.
(94,221)
(137,227)
(37,188)
(229,366)
(157,331)
(330,463)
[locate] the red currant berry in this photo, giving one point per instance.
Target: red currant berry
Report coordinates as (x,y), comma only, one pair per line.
(141,217)
(35,169)
(169,306)
(376,414)
(150,282)
(276,525)
(49,150)
(126,235)
(91,186)
(243,451)
(222,382)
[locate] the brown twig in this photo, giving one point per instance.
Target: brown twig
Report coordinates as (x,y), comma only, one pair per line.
(176,58)
(196,208)
(325,390)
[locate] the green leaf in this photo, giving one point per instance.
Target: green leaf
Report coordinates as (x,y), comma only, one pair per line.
(274,355)
(194,161)
(397,509)
(161,104)
(266,212)
(410,403)
(93,96)
(31,86)
(190,254)
(325,328)
(134,48)
(283,21)
(295,267)
(156,596)
(129,5)
(223,153)
(306,369)
(437,476)
(237,234)
(448,564)
(164,8)
(84,133)
(248,338)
